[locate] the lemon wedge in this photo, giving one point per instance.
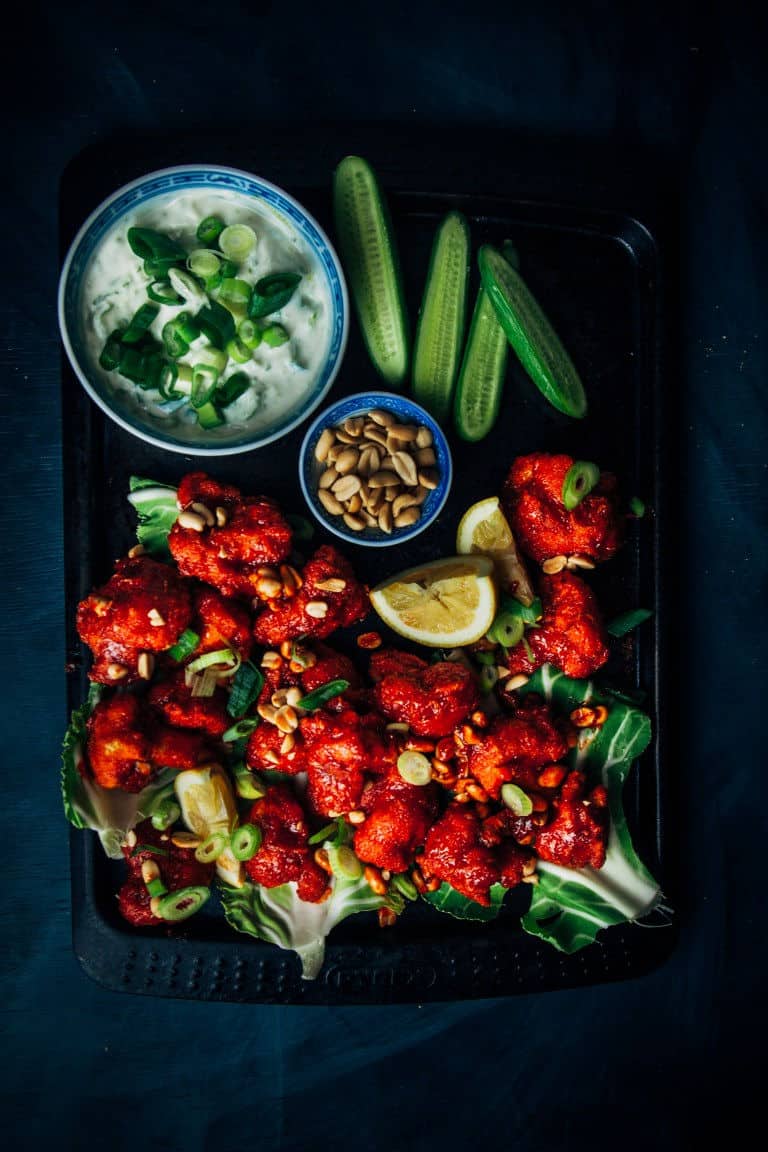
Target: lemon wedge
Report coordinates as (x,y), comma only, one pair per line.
(485,530)
(208,805)
(444,604)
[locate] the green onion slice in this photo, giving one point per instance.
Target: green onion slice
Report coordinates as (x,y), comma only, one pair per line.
(187,287)
(238,351)
(247,784)
(625,623)
(227,657)
(183,903)
(211,848)
(112,352)
(488,677)
(246,686)
(208,416)
(275,335)
(506,630)
(232,389)
(156,887)
(234,290)
(184,646)
(516,800)
(139,848)
(140,322)
(323,835)
(216,323)
(173,342)
(403,883)
(204,379)
(203,263)
(236,241)
(245,841)
(322,695)
(249,334)
(272,293)
(579,481)
(163,292)
(148,244)
(241,729)
(343,862)
(209,230)
(637,507)
(414,768)
(165,815)
(228,269)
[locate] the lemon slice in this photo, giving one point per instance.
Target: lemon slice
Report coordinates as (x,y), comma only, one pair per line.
(444,604)
(208,805)
(484,529)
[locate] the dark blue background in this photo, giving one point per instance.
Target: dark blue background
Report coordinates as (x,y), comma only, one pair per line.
(650,1063)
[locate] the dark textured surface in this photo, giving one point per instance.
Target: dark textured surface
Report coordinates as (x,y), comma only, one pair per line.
(657,1062)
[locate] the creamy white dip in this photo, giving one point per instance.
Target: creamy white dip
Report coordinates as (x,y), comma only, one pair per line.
(115,286)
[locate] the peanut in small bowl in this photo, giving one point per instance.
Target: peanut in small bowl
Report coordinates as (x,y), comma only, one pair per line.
(375,469)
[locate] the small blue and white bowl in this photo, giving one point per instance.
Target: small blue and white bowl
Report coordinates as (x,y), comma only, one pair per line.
(145,416)
(406,412)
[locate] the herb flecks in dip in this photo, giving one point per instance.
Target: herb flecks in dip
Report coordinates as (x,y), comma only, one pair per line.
(207,313)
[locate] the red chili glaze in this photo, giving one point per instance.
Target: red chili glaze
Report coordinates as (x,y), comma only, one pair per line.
(174,700)
(392,662)
(337,753)
(229,556)
(221,623)
(181,748)
(543,527)
(284,854)
(513,747)
(432,699)
(288,619)
(115,621)
(570,633)
(454,853)
(330,666)
(264,751)
(177,866)
(398,817)
(578,834)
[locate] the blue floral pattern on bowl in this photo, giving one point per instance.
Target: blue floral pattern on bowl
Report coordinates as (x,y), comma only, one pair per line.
(160,183)
(407,412)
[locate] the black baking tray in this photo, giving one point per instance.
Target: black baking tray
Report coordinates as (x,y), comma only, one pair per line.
(596,265)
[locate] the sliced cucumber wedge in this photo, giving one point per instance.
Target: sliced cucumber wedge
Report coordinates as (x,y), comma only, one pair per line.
(530,333)
(442,317)
(481,378)
(369,255)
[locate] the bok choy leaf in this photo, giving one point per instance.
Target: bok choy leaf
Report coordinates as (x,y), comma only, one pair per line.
(278,916)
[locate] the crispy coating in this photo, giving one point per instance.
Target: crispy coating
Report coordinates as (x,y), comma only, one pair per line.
(513,747)
(431,699)
(177,866)
(263,752)
(577,835)
(120,619)
(180,708)
(220,623)
(543,526)
(337,754)
(398,817)
(454,853)
(288,619)
(229,556)
(127,746)
(284,853)
(330,666)
(570,633)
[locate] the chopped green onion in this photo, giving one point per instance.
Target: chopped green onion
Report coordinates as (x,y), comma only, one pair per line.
(156,887)
(141,366)
(139,848)
(163,292)
(165,815)
(637,507)
(528,613)
(203,263)
(174,344)
(579,481)
(216,324)
(247,784)
(229,269)
(184,327)
(343,862)
(246,686)
(112,352)
(528,650)
(323,835)
(249,334)
(232,389)
(237,291)
(246,841)
(275,335)
(414,768)
(322,695)
(166,383)
(507,630)
(488,677)
(623,624)
(211,848)
(300,526)
(516,800)
(184,646)
(226,656)
(204,379)
(148,244)
(187,287)
(272,293)
(403,883)
(214,357)
(183,903)
(237,241)
(209,230)
(208,416)
(485,657)
(237,351)
(140,321)
(241,729)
